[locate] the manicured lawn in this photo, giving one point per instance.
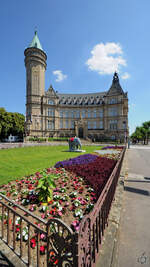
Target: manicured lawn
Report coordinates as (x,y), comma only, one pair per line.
(19,162)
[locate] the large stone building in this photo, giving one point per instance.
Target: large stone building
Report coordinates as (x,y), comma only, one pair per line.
(102,115)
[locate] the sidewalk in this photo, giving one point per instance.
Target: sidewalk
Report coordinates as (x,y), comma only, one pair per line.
(127,239)
(134,240)
(133,248)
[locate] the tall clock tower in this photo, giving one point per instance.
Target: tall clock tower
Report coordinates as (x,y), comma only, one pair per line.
(35,63)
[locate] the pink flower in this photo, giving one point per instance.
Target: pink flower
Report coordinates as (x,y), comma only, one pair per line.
(75,225)
(42,236)
(83,202)
(59,213)
(66,204)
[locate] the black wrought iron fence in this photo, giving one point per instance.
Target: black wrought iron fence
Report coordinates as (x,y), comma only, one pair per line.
(53,243)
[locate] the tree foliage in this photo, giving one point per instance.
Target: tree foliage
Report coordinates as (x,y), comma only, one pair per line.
(11,123)
(142,133)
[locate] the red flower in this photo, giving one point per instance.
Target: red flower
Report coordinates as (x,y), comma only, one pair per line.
(50,202)
(42,249)
(53,258)
(33,243)
(17,229)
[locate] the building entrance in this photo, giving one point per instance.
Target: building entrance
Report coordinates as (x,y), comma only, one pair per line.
(80,132)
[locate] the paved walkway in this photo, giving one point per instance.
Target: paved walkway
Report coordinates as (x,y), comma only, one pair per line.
(4,262)
(134,234)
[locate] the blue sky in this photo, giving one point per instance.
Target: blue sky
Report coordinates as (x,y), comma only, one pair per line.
(85,42)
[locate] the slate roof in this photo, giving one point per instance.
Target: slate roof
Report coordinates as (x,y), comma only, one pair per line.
(89,98)
(81,99)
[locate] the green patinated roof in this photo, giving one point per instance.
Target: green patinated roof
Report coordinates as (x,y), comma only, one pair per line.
(36,42)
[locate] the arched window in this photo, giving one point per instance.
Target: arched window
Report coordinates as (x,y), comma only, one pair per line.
(50,102)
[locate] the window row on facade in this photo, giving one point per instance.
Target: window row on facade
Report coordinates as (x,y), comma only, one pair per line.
(76,113)
(67,124)
(113,111)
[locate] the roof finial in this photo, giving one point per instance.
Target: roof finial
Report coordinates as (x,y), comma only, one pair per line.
(115,77)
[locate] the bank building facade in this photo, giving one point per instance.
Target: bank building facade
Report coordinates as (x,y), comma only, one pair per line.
(98,116)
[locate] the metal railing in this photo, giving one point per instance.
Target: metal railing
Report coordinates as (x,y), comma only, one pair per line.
(60,246)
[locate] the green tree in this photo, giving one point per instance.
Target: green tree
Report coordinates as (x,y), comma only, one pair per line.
(11,123)
(142,133)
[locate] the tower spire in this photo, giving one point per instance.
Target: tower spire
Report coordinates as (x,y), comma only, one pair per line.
(35,41)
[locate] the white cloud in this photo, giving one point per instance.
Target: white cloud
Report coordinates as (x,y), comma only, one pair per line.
(125,76)
(106,58)
(60,76)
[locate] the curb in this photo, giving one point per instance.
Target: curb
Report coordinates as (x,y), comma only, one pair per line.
(108,251)
(11,257)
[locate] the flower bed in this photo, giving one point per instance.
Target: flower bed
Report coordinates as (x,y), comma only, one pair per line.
(75,186)
(113,147)
(96,172)
(83,159)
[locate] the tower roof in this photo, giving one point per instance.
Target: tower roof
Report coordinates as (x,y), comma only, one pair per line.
(36,42)
(115,87)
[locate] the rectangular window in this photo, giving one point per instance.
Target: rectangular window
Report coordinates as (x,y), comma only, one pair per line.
(50,112)
(66,114)
(101,125)
(78,114)
(89,125)
(94,124)
(89,113)
(112,101)
(61,113)
(113,125)
(66,124)
(101,113)
(83,114)
(72,124)
(112,111)
(94,113)
(50,125)
(72,113)
(61,124)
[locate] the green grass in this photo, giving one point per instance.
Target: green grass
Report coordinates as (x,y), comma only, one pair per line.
(19,162)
